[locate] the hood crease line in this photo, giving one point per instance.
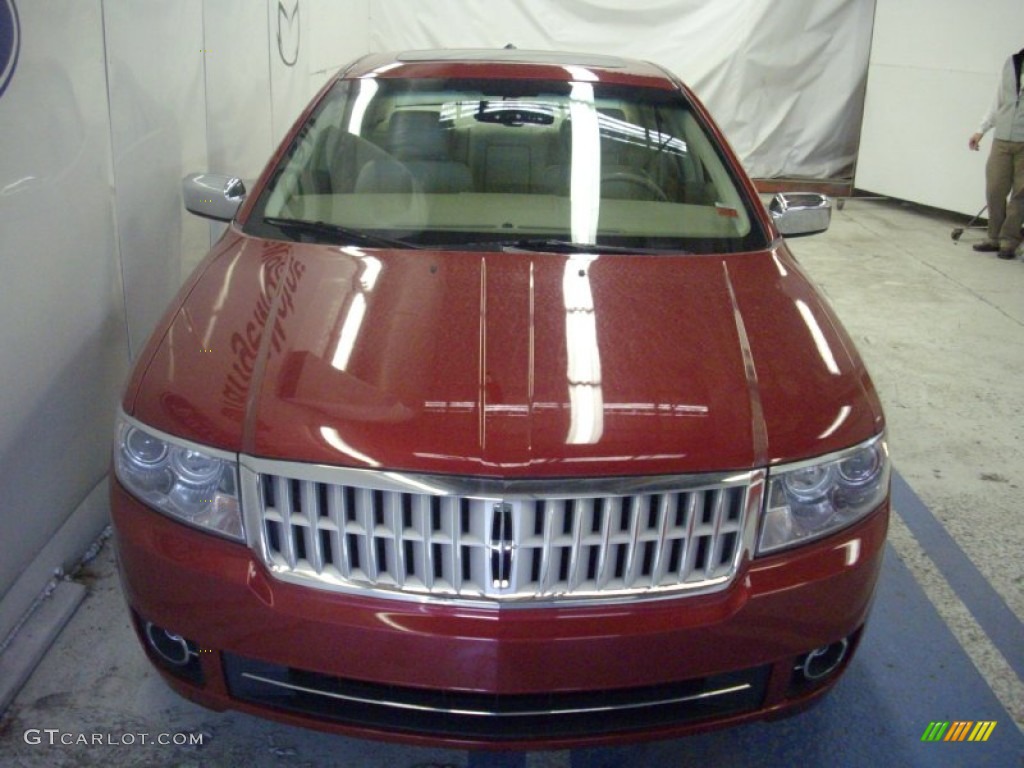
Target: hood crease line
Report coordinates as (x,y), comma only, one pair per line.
(759,430)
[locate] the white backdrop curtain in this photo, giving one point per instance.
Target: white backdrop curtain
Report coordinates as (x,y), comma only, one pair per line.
(785,80)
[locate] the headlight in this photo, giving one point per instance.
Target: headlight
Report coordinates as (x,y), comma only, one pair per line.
(809,500)
(196,485)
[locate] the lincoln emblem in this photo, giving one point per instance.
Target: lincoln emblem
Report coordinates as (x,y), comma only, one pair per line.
(501,545)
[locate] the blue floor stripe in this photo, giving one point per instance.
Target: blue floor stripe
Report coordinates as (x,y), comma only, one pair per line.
(989,609)
(910,670)
(497,760)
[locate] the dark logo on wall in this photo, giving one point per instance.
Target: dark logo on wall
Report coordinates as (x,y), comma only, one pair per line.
(288,32)
(10,42)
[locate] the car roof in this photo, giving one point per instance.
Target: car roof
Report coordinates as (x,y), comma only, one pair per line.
(510,63)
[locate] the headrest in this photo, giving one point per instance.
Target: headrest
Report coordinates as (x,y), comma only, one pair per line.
(417,135)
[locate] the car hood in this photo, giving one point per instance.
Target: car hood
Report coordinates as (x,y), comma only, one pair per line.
(511,364)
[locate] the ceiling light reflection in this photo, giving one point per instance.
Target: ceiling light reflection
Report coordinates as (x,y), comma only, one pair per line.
(413,484)
(349,332)
(384,68)
(852,554)
(586,399)
(640,136)
(581,74)
(585,173)
(367,90)
(778,264)
(842,416)
(824,350)
(222,297)
(371,269)
(330,434)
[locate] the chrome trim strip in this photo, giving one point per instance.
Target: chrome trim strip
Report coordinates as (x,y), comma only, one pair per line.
(167,437)
(830,457)
(487,488)
(484,713)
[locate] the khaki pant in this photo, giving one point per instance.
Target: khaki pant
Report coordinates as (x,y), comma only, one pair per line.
(1004,176)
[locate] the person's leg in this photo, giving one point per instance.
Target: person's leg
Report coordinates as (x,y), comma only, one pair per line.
(998,182)
(1009,234)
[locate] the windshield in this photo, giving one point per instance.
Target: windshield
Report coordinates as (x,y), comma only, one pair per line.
(505,163)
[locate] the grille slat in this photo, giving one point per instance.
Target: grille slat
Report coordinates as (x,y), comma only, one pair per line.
(452,567)
(284,495)
(547,557)
(694,504)
(311,506)
(634,555)
(665,511)
(396,547)
(582,509)
(718,510)
(603,559)
(423,564)
(511,546)
(336,514)
(363,532)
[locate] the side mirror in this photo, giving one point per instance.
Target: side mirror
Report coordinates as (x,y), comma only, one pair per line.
(212,195)
(800,213)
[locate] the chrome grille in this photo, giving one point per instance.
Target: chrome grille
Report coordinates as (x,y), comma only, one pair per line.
(418,536)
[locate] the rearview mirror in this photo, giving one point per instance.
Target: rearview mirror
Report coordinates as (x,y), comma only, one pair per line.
(513,115)
(800,213)
(212,195)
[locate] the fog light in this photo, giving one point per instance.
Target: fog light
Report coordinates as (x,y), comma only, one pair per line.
(822,662)
(174,649)
(173,653)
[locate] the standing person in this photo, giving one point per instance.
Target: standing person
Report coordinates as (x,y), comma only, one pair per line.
(1004,171)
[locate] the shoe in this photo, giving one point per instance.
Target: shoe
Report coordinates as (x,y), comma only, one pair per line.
(986,247)
(1007,255)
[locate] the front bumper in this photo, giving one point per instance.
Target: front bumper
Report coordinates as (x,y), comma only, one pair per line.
(470,677)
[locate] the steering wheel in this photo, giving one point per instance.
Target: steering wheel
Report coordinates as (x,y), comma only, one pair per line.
(637,180)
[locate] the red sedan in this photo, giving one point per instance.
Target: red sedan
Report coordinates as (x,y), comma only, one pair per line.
(501,415)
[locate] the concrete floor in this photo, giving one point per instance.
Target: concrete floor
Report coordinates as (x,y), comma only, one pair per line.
(942,330)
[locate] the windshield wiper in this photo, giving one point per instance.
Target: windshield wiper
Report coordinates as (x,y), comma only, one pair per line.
(333,233)
(555,245)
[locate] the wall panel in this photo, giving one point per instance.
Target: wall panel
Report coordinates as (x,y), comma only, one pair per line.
(933,72)
(158,133)
(288,58)
(238,103)
(339,33)
(63,350)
